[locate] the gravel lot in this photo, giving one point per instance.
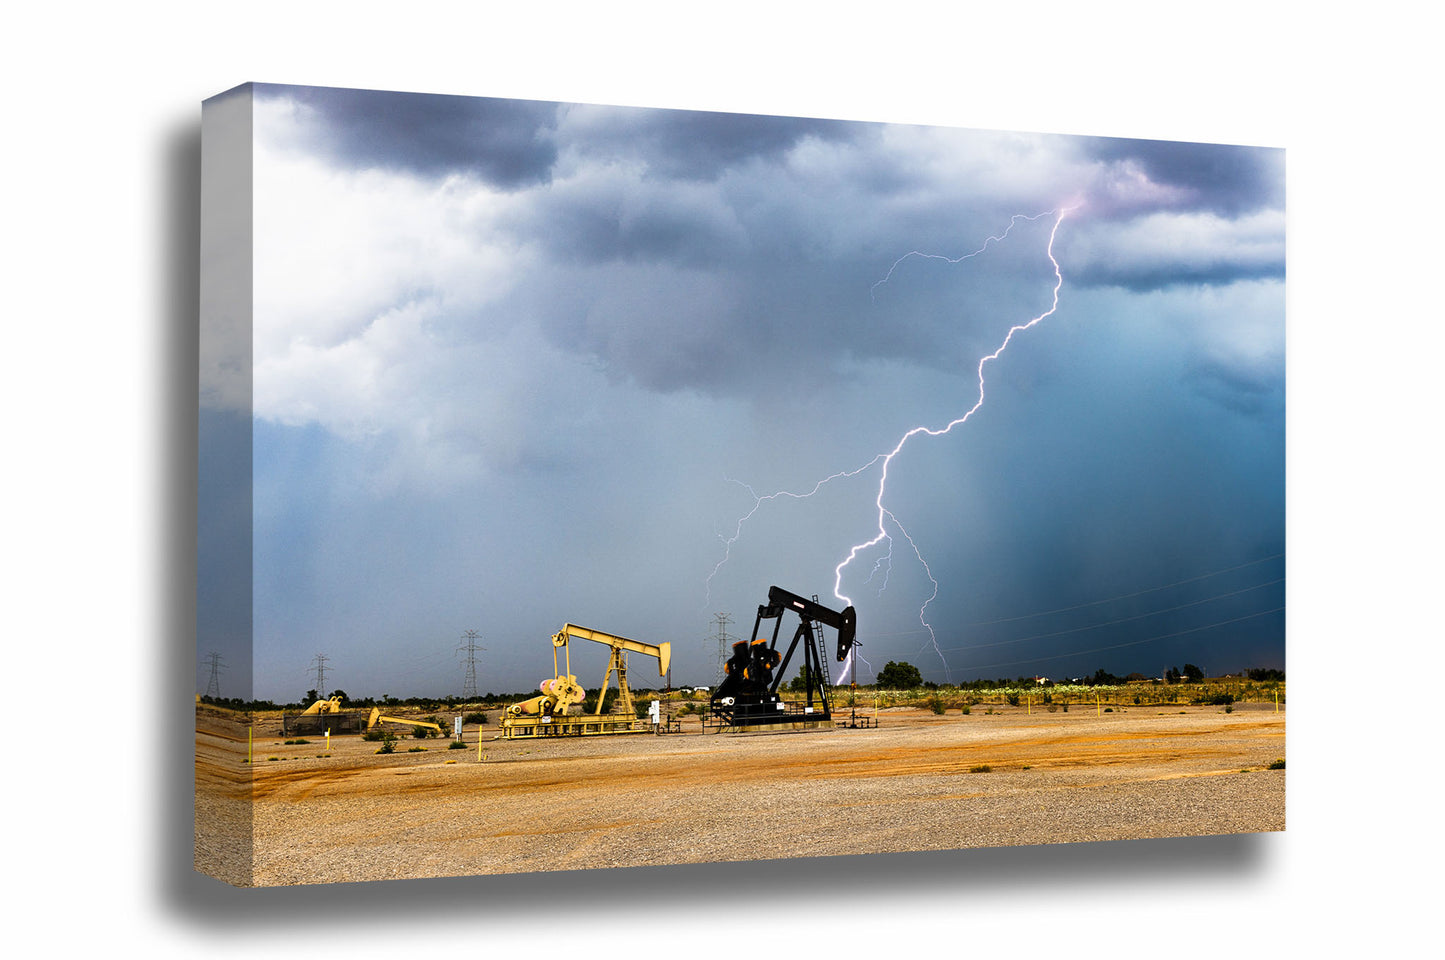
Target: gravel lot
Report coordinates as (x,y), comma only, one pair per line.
(912,783)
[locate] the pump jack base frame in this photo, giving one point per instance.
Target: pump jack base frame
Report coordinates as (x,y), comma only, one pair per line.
(767,718)
(534,728)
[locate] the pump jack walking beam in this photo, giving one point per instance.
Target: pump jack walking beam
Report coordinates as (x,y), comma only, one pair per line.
(617,661)
(809,612)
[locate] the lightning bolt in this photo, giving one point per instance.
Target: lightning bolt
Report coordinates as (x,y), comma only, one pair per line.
(886,516)
(967,256)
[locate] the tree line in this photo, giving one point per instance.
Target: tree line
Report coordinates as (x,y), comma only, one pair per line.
(905,676)
(895,675)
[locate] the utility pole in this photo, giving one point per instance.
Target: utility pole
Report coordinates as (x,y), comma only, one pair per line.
(469,644)
(724,640)
(320,663)
(213,688)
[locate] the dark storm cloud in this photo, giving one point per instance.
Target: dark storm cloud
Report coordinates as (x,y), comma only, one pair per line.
(691,144)
(1225,179)
(516,143)
(784,328)
(1141,278)
(1246,391)
(602,217)
(509,143)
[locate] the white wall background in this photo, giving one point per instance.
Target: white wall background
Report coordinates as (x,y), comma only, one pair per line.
(101,113)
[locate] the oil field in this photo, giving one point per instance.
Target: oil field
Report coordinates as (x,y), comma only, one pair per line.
(1007,401)
(749,770)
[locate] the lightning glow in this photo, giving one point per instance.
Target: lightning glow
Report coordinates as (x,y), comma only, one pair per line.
(886,516)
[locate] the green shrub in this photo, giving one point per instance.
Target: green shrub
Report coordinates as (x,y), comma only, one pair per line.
(965,711)
(935,703)
(292,743)
(416,750)
(476,717)
(456,745)
(981,768)
(421,733)
(1012,697)
(1277,765)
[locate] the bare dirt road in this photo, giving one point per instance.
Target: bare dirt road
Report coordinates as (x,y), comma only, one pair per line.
(915,782)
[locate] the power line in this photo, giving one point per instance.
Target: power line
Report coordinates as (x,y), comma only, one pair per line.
(1114,622)
(724,640)
(320,662)
(469,686)
(1126,596)
(213,688)
(1080,606)
(1129,643)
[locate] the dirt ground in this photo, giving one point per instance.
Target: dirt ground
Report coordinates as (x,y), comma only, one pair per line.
(914,782)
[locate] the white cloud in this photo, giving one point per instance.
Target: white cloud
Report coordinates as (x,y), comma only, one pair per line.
(1160,247)
(373,289)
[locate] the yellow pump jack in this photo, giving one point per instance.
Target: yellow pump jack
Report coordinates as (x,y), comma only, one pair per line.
(376,718)
(546,715)
(330,705)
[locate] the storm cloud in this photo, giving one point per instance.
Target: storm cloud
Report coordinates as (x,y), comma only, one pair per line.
(508,143)
(529,359)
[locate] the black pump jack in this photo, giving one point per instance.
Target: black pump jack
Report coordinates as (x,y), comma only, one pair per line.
(748,693)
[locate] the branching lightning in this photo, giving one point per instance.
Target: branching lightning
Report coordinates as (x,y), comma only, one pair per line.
(886,516)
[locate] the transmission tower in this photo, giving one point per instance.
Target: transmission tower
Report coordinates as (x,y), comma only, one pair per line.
(320,663)
(724,641)
(469,644)
(213,688)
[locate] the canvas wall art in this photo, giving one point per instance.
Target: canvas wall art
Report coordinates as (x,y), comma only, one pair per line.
(589,486)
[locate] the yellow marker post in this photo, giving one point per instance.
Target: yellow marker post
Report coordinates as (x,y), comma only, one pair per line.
(328,739)
(248,744)
(1098,707)
(1031,705)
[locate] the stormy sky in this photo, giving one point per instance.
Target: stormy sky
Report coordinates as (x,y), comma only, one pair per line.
(516,364)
